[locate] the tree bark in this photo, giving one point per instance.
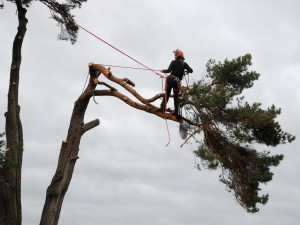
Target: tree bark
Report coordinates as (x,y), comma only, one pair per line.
(10,181)
(68,156)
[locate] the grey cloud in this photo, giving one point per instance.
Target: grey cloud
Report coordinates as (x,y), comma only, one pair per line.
(125,174)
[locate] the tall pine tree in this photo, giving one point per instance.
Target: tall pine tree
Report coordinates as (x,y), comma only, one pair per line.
(10,204)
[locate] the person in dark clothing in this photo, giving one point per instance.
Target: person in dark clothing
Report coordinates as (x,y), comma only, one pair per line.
(177,69)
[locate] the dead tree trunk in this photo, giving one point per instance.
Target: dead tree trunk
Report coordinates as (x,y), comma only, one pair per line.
(10,181)
(68,156)
(70,147)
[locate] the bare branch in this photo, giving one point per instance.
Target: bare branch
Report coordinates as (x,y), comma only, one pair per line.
(192,123)
(192,135)
(134,104)
(125,82)
(90,125)
(215,81)
(146,106)
(155,97)
(107,85)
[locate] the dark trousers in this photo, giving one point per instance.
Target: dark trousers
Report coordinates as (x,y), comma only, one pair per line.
(171,83)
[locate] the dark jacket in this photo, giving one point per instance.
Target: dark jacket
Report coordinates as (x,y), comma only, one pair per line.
(177,68)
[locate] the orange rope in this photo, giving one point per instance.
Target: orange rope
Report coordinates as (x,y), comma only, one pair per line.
(105,42)
(127,67)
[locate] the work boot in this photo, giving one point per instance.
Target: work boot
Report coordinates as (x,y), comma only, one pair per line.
(179,117)
(160,109)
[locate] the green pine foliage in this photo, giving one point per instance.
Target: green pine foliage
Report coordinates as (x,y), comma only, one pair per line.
(61,14)
(230,127)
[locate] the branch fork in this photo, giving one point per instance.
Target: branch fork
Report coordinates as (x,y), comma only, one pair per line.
(142,103)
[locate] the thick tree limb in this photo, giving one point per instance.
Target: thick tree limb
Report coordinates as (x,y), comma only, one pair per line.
(146,106)
(134,104)
(155,97)
(142,107)
(122,82)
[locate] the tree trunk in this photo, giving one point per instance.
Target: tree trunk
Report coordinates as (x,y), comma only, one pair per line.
(68,156)
(10,181)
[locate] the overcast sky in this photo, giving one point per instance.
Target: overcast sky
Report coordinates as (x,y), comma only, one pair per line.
(125,175)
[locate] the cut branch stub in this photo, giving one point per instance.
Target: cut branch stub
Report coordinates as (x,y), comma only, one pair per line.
(96,68)
(127,81)
(90,125)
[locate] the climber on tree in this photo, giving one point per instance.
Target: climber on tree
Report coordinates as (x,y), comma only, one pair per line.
(177,69)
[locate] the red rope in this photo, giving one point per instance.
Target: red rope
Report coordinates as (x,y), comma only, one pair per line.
(105,42)
(127,67)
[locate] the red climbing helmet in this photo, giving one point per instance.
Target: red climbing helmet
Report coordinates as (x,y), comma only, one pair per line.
(178,52)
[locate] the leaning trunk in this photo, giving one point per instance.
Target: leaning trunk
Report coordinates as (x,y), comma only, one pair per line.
(68,157)
(10,181)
